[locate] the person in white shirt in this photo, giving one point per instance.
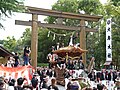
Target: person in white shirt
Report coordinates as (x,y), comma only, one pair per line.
(6,80)
(10,62)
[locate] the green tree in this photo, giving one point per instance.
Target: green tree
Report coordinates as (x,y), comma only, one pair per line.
(115,2)
(1,42)
(113,9)
(26,37)
(13,45)
(9,6)
(10,44)
(110,10)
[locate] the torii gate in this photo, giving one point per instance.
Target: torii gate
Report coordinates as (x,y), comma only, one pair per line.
(39,11)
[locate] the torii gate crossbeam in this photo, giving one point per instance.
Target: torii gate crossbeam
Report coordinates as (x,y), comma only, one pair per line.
(60,14)
(56,26)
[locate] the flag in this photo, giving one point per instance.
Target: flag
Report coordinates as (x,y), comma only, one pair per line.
(108,40)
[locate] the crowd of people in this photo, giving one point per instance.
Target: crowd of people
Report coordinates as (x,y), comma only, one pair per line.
(14,61)
(45,77)
(35,84)
(105,78)
(104,75)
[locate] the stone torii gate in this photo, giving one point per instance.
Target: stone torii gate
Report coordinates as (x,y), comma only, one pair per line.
(39,11)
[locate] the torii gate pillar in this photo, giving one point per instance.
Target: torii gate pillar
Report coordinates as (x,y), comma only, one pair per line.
(34,40)
(83,40)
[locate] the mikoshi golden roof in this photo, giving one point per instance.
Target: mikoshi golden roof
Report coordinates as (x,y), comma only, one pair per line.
(70,50)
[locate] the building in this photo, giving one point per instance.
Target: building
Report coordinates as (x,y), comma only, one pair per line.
(4,54)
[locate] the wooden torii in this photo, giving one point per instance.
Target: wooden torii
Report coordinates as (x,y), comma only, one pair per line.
(34,23)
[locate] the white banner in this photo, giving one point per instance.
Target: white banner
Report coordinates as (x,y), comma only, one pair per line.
(17,72)
(108,40)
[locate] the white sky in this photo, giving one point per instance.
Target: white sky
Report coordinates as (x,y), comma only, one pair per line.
(16,30)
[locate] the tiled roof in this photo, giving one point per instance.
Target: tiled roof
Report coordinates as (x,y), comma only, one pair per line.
(4,52)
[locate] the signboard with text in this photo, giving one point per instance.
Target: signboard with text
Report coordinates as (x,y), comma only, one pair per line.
(108,41)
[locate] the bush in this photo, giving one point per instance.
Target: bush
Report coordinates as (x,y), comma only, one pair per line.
(42,64)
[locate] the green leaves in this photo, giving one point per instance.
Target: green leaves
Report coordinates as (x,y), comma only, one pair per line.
(9,6)
(10,43)
(91,7)
(26,38)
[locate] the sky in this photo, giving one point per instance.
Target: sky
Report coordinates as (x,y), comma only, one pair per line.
(16,30)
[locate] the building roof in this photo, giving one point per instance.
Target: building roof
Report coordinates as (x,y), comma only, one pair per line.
(107,63)
(4,52)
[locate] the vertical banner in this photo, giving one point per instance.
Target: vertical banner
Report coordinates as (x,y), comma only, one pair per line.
(108,40)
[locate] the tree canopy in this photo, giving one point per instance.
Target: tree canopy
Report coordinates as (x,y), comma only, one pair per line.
(9,6)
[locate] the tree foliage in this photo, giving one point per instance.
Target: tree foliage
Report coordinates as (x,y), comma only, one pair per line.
(10,43)
(26,37)
(9,6)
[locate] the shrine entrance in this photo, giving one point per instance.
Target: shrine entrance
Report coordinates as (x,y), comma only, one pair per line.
(35,24)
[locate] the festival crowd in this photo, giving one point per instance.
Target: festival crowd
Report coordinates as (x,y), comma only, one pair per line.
(45,77)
